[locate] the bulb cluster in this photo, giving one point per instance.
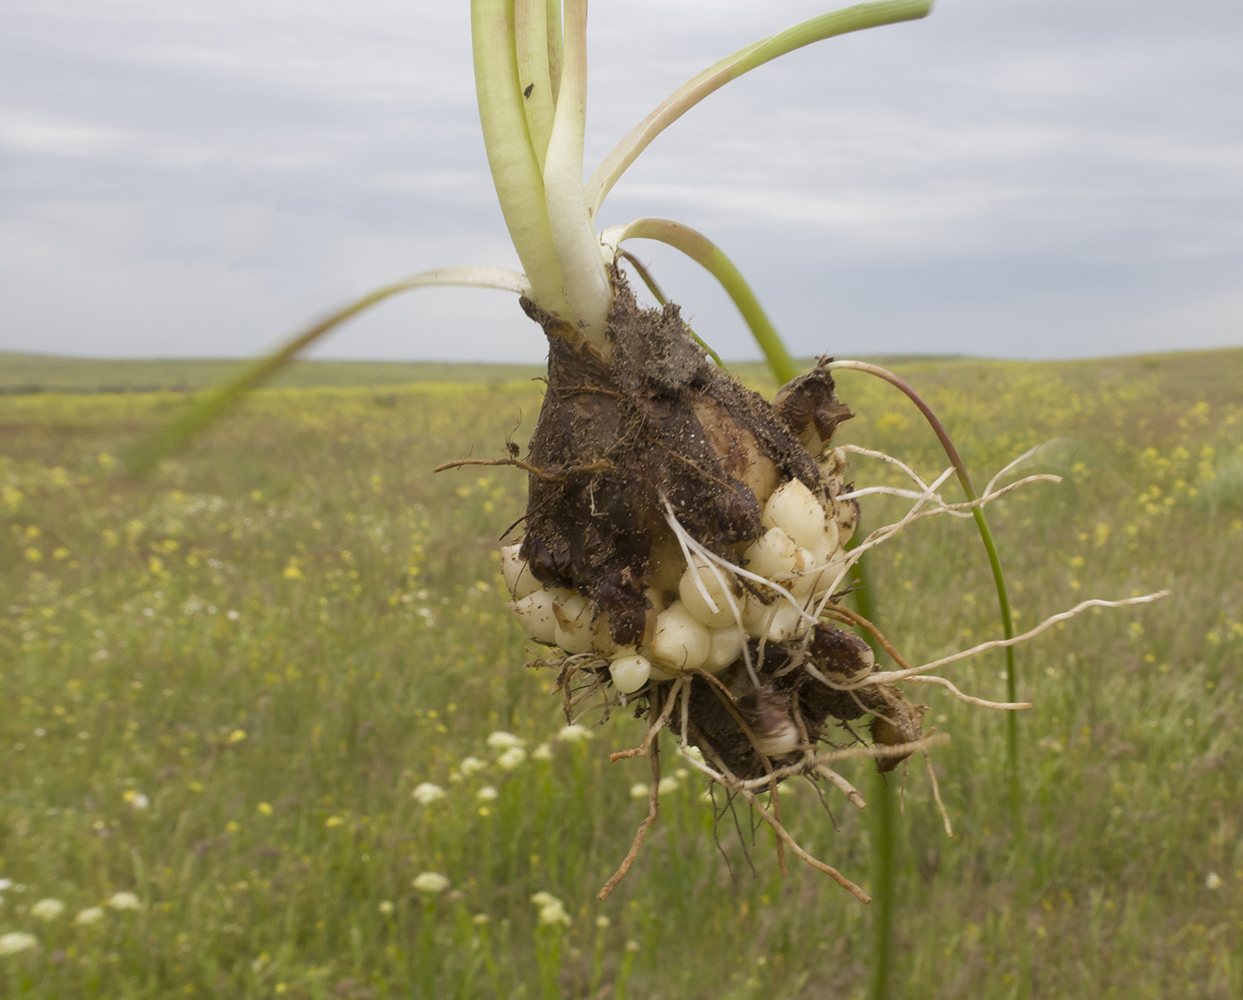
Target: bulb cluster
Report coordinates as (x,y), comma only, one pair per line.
(705,611)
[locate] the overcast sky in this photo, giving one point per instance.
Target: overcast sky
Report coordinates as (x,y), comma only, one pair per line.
(1018,178)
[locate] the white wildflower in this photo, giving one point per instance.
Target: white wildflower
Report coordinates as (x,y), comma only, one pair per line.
(667,785)
(137,800)
(1213,881)
(542,899)
(471,765)
(542,752)
(431,883)
(5,883)
(91,915)
(505,741)
(386,906)
(638,791)
(124,901)
(427,793)
(553,914)
(511,758)
(575,734)
(486,794)
(602,922)
(47,909)
(15,941)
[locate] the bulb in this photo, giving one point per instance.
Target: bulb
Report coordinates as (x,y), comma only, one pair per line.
(630,672)
(795,510)
(787,622)
(535,614)
(702,573)
(772,555)
(681,641)
(518,576)
(573,623)
(724,647)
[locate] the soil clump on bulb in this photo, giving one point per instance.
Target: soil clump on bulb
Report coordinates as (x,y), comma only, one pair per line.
(647,431)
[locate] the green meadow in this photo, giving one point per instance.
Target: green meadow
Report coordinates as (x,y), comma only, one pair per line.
(229,691)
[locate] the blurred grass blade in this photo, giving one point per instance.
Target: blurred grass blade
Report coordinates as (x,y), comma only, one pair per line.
(174,435)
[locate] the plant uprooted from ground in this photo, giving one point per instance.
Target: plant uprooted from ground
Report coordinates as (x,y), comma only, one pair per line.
(684,547)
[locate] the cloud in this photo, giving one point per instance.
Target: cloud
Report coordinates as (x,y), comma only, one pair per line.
(1035,178)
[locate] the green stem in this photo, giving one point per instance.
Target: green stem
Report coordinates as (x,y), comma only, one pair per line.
(703,251)
(880,805)
(516,171)
(531,47)
(585,282)
(880,796)
(170,437)
(999,579)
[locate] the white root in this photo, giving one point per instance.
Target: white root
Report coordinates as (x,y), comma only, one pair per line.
(842,785)
(936,794)
(926,501)
(1003,706)
(901,675)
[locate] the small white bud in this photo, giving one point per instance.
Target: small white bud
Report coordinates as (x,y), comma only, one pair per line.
(725,646)
(795,510)
(518,576)
(573,623)
(630,672)
(772,555)
(826,579)
(681,641)
(702,578)
(756,616)
(782,739)
(534,613)
(787,622)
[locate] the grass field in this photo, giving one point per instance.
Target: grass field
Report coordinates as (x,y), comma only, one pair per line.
(225,686)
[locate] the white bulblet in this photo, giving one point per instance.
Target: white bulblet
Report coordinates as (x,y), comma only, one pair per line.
(573,623)
(795,510)
(782,740)
(630,672)
(756,615)
(787,622)
(724,647)
(518,576)
(535,614)
(681,641)
(772,555)
(701,574)
(832,536)
(826,579)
